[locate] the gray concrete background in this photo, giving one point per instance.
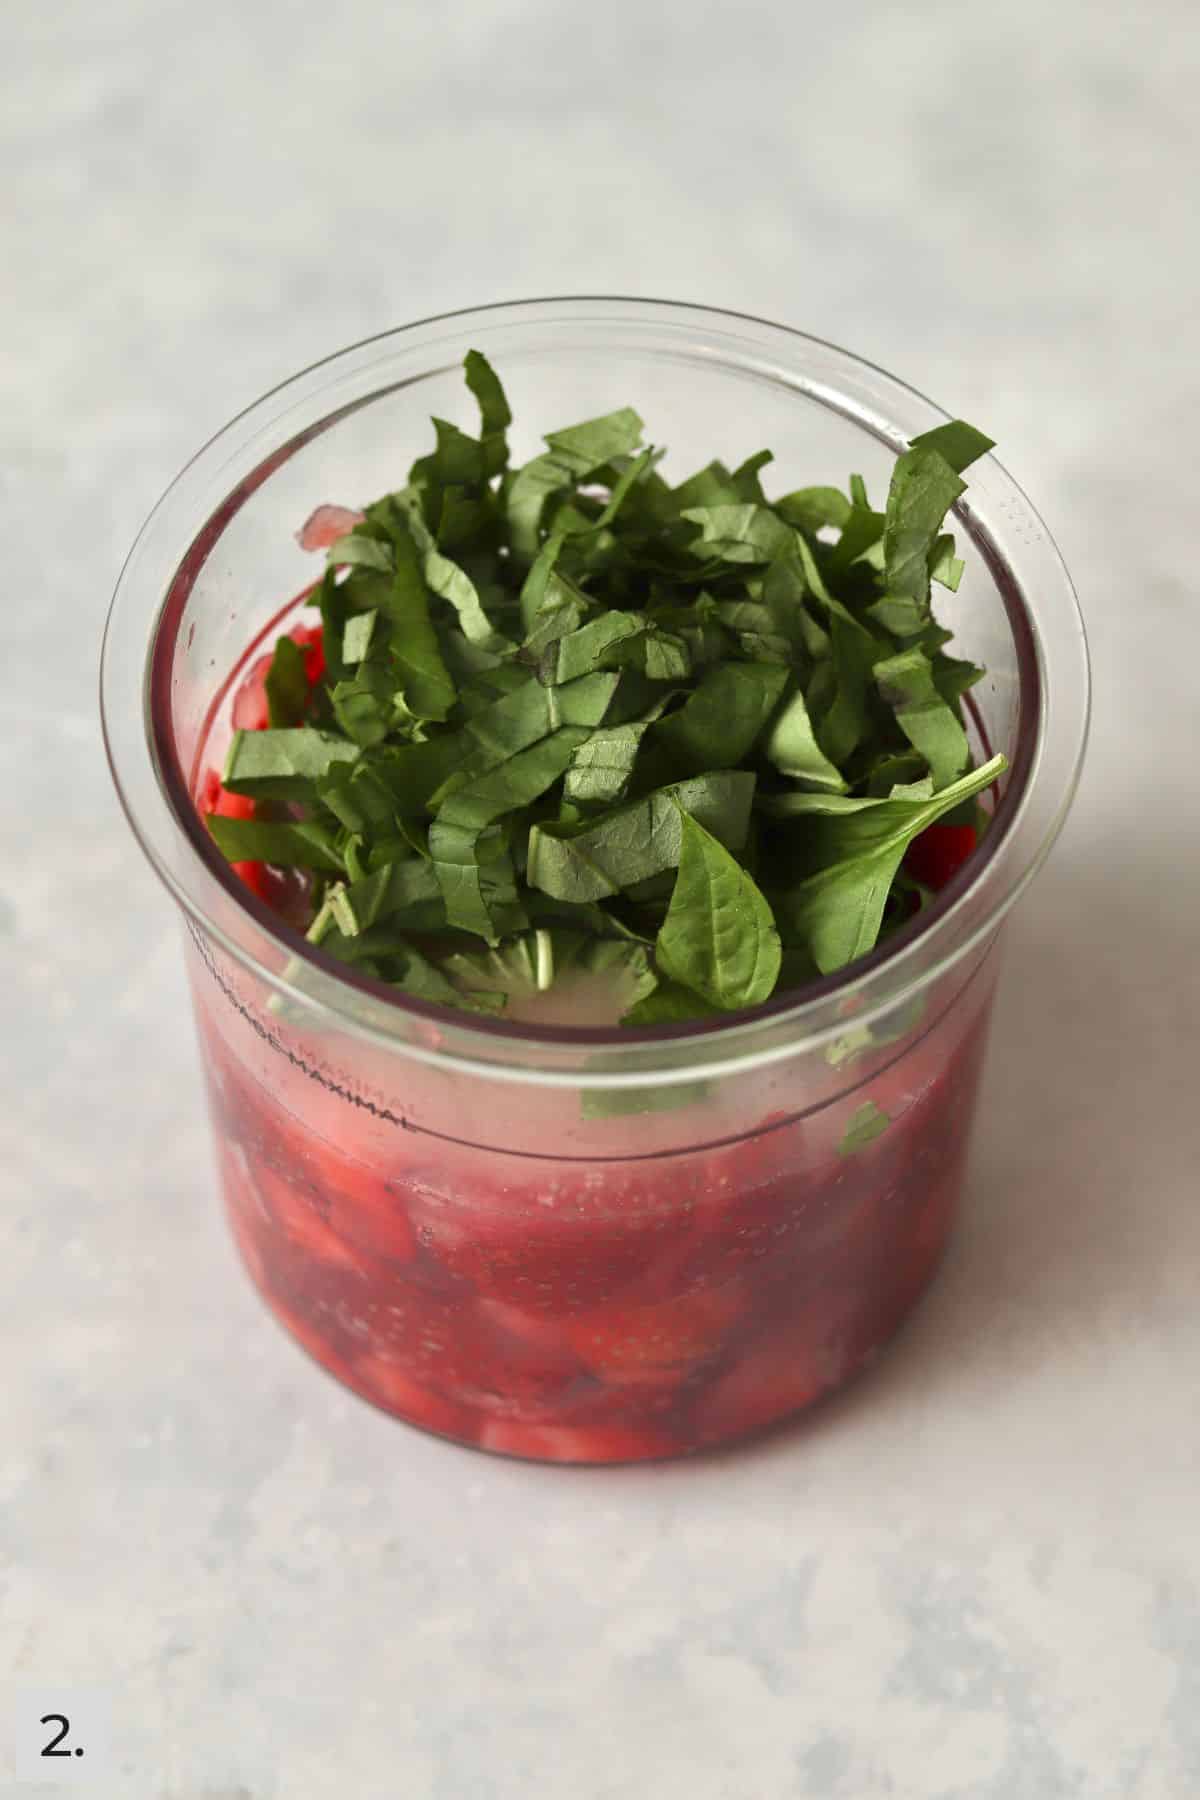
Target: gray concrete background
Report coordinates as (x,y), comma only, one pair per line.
(979,1574)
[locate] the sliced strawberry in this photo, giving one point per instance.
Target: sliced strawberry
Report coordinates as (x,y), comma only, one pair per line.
(553,1250)
(251,709)
(574,1443)
(788,1366)
(635,1343)
(297,1212)
(361,1204)
(314,1342)
(242,1207)
(325,525)
(935,857)
(388,1385)
(216,799)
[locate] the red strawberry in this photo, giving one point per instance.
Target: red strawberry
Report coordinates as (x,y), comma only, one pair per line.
(935,857)
(391,1387)
(788,1366)
(216,799)
(361,1204)
(573,1443)
(563,1247)
(314,1342)
(326,525)
(251,709)
(241,1208)
(297,1212)
(625,1343)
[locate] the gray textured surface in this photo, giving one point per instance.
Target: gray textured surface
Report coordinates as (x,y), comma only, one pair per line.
(978,1575)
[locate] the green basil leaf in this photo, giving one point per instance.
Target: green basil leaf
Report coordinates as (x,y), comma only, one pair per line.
(785,588)
(906,683)
(602,767)
(792,746)
(844,723)
(283,764)
(574,455)
(638,840)
(712,485)
(589,446)
(944,566)
(812,508)
(527,795)
(587,648)
(958,443)
(413,773)
(359,550)
(924,488)
(495,415)
(364,705)
(737,534)
(719,937)
(459,460)
(287,684)
(356,638)
(669,1004)
(515,783)
(453,583)
(866,1125)
(285,845)
(745,478)
(720,722)
(530,712)
(358,799)
(403,894)
(953,677)
(478,882)
(854,853)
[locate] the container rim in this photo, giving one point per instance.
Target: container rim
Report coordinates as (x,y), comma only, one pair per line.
(188,521)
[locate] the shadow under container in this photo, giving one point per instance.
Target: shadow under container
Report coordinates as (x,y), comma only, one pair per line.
(582,1245)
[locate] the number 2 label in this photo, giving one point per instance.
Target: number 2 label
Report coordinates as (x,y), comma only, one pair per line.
(64,1726)
(60,1735)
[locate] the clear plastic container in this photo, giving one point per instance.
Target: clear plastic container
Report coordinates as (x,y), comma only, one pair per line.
(582,1245)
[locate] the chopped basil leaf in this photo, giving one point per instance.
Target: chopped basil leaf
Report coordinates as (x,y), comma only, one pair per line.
(792,746)
(854,853)
(257,840)
(356,638)
(721,720)
(283,764)
(641,839)
(906,682)
(924,487)
(577,719)
(359,550)
(867,1124)
(287,684)
(719,937)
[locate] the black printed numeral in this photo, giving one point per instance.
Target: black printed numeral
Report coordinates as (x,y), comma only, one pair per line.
(64,1725)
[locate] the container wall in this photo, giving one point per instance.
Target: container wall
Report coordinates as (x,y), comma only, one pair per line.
(524,1268)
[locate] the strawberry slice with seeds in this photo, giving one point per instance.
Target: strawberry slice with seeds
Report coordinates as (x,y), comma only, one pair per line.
(666,1338)
(788,1366)
(574,1443)
(393,1388)
(325,525)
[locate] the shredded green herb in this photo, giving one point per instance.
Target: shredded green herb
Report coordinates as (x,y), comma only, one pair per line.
(576,719)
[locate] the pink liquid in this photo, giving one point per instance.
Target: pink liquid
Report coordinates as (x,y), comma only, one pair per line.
(586,1309)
